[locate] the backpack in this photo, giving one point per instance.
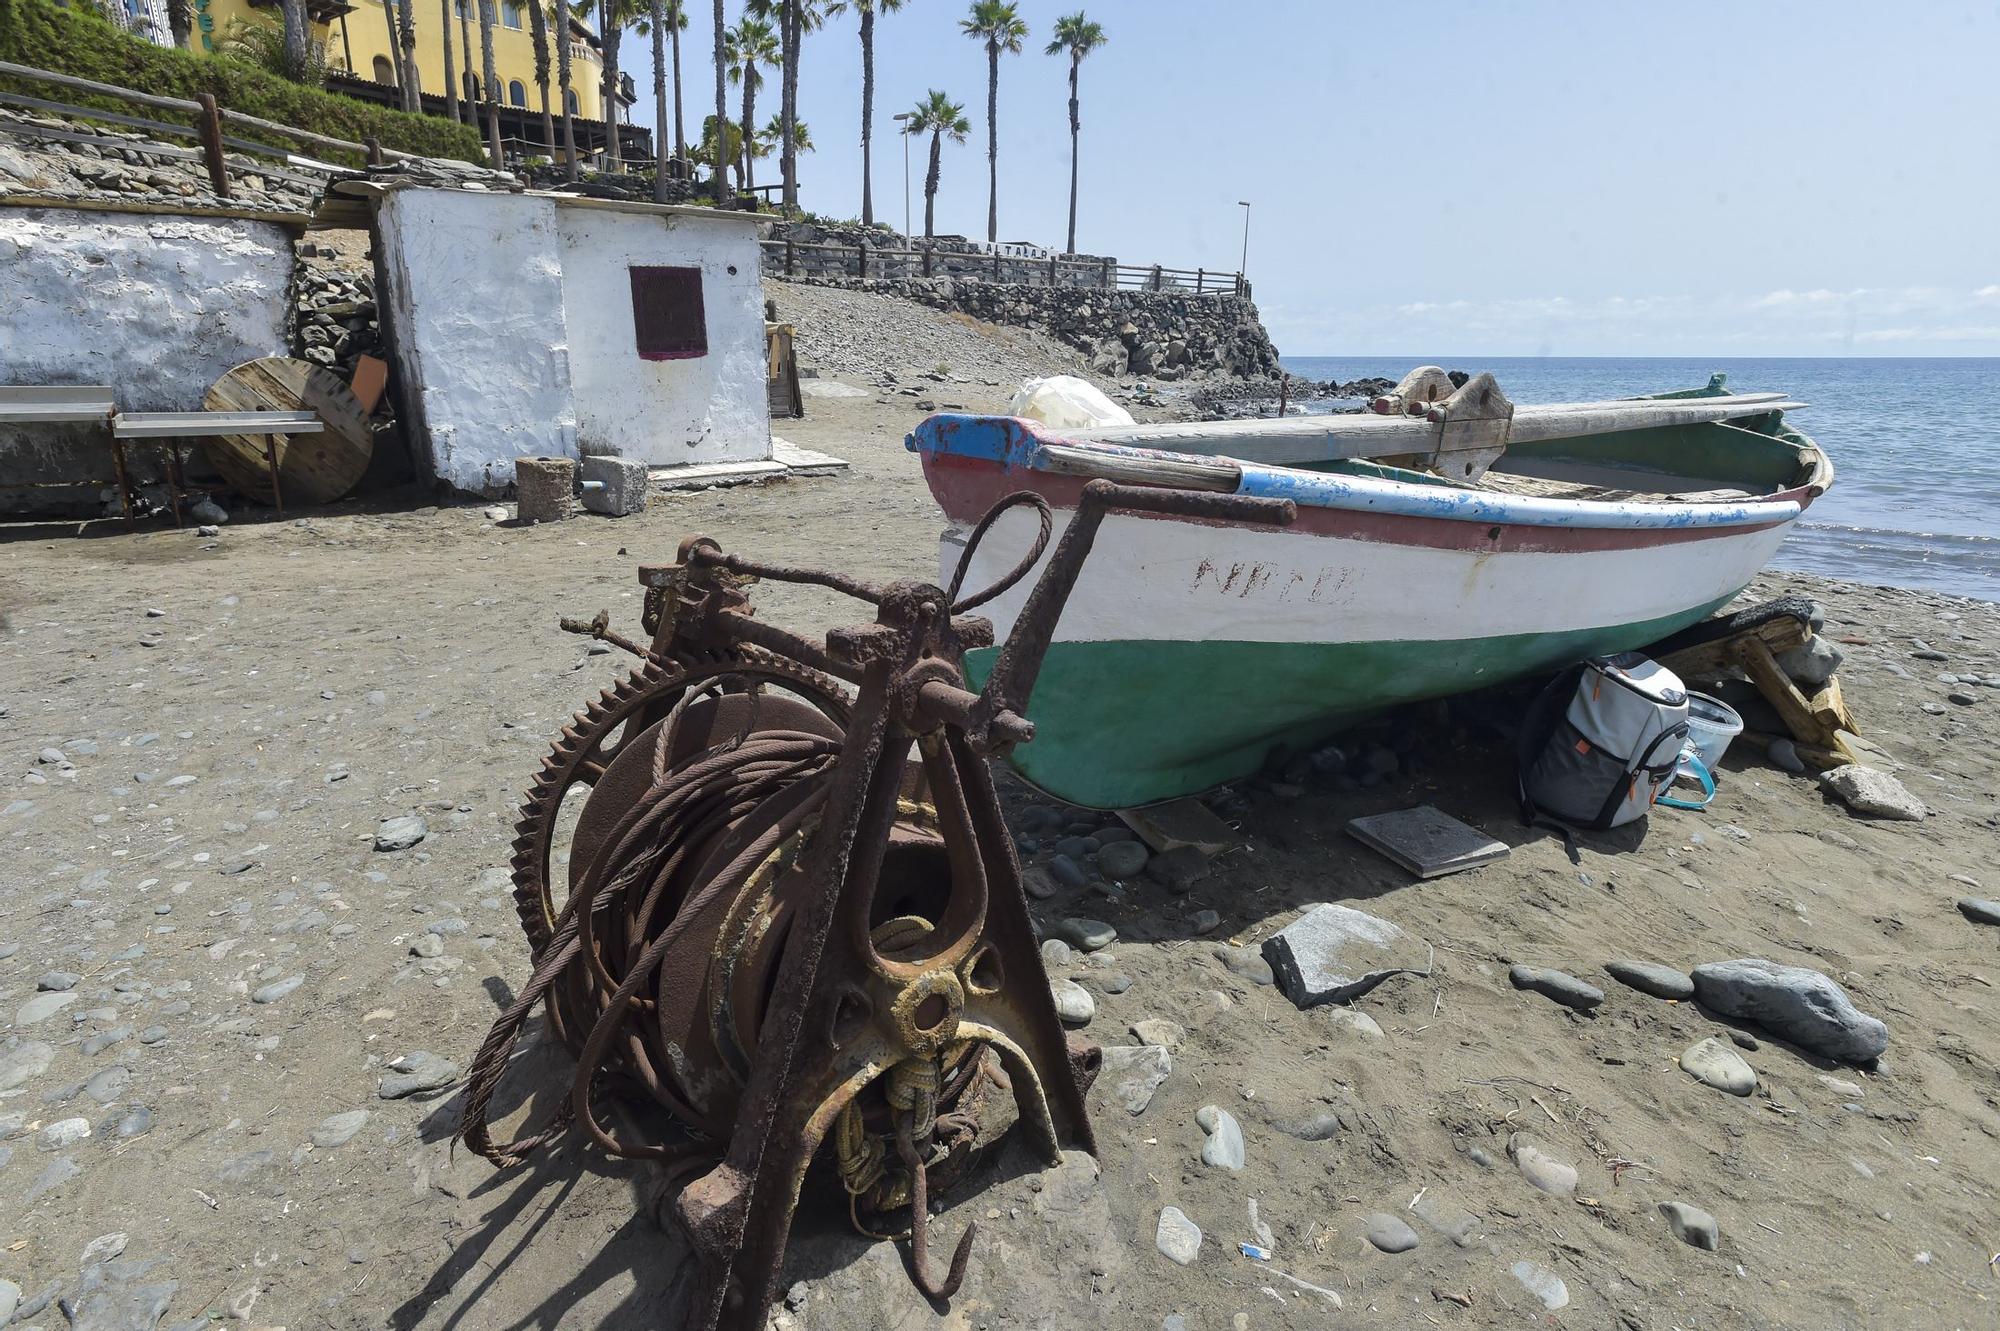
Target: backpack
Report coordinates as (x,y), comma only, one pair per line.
(1601,744)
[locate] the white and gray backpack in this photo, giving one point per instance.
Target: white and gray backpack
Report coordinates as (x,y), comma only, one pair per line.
(1601,744)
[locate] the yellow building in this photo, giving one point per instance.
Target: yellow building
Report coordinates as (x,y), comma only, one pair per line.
(355,36)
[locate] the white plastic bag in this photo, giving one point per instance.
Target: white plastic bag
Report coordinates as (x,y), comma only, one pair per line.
(1067,402)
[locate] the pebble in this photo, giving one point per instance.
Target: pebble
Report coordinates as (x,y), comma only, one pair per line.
(1355,1022)
(337,1130)
(1554,984)
(1179,869)
(1547,1172)
(138,1121)
(1073,1002)
(1177,1236)
(103,1040)
(1067,871)
(1389,1233)
(1979,912)
(1713,1063)
(23,1063)
(427,945)
(401,832)
(1543,1283)
(1114,982)
(1056,953)
(1323,1126)
(1204,921)
(152,1035)
(63,1134)
(1873,794)
(1245,963)
(416,1072)
(1123,859)
(57,982)
(1134,1072)
(277,989)
(107,1085)
(1224,1147)
(41,1007)
(1784,756)
(1076,847)
(1649,978)
(1961,697)
(1794,1003)
(1692,1225)
(1158,1030)
(103,1248)
(59,1171)
(1086,935)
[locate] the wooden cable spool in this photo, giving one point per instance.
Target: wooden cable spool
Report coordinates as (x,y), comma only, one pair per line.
(312,468)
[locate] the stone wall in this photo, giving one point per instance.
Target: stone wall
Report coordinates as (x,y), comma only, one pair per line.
(1164,335)
(156,307)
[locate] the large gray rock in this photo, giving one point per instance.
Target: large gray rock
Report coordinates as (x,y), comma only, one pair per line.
(114,1296)
(1873,794)
(1795,1004)
(1812,663)
(1650,978)
(1713,1063)
(1333,953)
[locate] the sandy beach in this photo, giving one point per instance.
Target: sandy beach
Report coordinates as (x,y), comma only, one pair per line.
(203,735)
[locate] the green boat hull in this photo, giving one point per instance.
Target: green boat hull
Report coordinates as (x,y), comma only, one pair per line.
(1131,722)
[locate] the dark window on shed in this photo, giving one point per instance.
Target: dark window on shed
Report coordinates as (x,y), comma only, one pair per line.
(667,314)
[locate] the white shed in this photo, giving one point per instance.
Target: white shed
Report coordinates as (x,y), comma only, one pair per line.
(555,325)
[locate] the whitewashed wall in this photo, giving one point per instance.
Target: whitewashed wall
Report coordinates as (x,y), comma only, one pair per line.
(156,307)
(475,299)
(712,408)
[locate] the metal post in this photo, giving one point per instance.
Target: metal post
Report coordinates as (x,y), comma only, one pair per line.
(1110,279)
(927,258)
(789,257)
(210,125)
(1243,267)
(1156,277)
(1052,269)
(1199,277)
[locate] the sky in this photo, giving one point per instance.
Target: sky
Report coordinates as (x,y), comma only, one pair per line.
(1541,177)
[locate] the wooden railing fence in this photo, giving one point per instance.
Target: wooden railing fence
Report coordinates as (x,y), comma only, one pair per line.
(1101,273)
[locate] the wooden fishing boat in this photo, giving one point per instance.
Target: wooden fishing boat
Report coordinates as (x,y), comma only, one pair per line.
(1453,543)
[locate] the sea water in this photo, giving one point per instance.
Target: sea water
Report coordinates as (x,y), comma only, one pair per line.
(1915,447)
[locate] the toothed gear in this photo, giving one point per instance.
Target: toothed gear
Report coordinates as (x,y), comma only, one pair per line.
(577,754)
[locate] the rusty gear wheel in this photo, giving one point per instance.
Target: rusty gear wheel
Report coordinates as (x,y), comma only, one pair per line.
(580,755)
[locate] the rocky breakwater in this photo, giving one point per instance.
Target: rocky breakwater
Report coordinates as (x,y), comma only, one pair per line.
(1164,335)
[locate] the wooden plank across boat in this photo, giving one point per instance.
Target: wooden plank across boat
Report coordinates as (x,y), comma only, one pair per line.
(1433,553)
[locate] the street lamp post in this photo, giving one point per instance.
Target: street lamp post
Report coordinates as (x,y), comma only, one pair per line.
(905,117)
(1243,268)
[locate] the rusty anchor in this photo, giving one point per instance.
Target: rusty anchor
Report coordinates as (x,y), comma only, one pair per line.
(793,916)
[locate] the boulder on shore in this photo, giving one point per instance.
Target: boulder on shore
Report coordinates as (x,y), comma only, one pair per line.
(1793,1003)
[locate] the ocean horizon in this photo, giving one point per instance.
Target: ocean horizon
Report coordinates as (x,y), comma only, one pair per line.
(1915,443)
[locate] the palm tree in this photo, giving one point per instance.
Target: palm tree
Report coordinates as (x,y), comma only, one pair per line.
(940,117)
(721,97)
(492,80)
(561,10)
(749,44)
(612,16)
(450,70)
(293,14)
(867,10)
(413,82)
(538,28)
(471,88)
(677,21)
(1079,37)
(995,23)
(657,27)
(180,21)
(395,47)
(707,151)
(796,18)
(766,140)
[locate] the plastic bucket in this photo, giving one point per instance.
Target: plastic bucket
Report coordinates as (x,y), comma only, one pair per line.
(1712,723)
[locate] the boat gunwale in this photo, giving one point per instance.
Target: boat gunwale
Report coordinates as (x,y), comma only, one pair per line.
(1020,441)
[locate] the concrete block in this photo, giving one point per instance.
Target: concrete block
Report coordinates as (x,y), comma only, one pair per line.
(624,485)
(544,489)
